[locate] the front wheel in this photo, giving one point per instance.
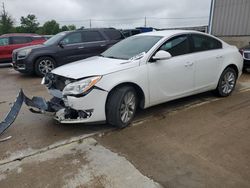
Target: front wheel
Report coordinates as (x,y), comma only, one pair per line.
(44,65)
(227,82)
(121,106)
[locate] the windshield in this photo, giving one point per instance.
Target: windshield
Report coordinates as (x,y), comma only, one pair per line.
(131,47)
(55,39)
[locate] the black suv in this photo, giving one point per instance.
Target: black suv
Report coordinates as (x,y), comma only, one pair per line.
(65,47)
(245,51)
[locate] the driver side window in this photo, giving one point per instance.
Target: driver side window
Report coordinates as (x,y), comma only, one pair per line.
(177,45)
(72,38)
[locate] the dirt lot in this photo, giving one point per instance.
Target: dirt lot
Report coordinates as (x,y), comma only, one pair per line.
(199,141)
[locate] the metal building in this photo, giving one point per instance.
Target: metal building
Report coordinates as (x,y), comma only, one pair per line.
(230,20)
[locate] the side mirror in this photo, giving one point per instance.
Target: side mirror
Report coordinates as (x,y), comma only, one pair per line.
(60,44)
(161,55)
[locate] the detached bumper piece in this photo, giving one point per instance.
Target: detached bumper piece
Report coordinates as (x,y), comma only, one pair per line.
(36,102)
(11,116)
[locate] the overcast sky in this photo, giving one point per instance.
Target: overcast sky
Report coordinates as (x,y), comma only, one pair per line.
(113,13)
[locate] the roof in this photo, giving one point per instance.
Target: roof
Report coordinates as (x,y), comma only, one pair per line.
(19,34)
(167,33)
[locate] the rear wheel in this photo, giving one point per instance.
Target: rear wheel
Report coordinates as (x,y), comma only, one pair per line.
(44,65)
(121,106)
(227,82)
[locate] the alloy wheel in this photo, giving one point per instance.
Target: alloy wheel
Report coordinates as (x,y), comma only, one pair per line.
(228,82)
(46,66)
(128,106)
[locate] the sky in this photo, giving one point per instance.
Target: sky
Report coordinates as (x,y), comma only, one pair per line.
(114,13)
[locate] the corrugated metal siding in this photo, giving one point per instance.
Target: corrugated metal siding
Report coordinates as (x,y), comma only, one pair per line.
(231,18)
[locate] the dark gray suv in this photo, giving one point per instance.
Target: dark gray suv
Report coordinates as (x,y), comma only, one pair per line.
(65,47)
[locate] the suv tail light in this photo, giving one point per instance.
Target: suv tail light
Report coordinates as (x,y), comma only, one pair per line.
(241,51)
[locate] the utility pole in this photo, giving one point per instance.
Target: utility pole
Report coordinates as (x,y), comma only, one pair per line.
(90,24)
(145,21)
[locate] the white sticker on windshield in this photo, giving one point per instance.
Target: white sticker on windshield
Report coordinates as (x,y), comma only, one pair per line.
(138,56)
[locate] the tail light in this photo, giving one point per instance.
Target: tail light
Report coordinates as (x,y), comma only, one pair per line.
(241,51)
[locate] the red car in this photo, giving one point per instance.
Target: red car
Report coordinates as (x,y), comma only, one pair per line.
(10,42)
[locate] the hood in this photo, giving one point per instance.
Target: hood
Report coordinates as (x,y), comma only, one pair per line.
(30,47)
(94,66)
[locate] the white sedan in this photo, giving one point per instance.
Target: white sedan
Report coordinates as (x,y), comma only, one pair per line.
(142,71)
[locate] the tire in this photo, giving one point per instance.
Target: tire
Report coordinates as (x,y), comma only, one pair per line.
(226,82)
(121,106)
(44,65)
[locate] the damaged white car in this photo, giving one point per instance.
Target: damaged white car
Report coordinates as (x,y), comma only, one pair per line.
(141,71)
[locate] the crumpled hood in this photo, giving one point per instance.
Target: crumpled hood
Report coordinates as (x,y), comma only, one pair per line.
(94,66)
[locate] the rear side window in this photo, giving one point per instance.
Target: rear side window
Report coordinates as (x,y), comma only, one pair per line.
(20,40)
(37,38)
(177,46)
(72,38)
(4,41)
(113,34)
(204,43)
(92,36)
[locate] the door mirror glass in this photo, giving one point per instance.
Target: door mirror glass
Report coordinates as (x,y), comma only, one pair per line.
(61,43)
(161,55)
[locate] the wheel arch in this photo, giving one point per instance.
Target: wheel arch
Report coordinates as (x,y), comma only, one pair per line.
(233,66)
(139,91)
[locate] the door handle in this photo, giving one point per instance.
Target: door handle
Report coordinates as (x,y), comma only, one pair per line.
(81,47)
(189,64)
(219,57)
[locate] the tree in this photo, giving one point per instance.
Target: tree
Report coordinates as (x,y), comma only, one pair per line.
(72,27)
(6,22)
(29,23)
(64,28)
(51,27)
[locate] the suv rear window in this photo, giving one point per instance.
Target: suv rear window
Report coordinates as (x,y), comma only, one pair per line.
(4,41)
(113,34)
(92,36)
(20,40)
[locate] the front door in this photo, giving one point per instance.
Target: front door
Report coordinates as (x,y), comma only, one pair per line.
(174,77)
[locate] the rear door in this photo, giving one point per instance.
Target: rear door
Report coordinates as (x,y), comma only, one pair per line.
(4,48)
(94,44)
(208,56)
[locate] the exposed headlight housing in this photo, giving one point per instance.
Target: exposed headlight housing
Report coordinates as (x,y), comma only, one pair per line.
(81,87)
(24,53)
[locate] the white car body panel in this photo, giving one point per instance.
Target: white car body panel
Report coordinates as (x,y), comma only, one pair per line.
(93,66)
(160,81)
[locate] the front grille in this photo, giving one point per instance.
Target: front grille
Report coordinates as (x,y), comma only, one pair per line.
(246,55)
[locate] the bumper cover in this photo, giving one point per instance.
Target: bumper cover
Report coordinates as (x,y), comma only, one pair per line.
(67,110)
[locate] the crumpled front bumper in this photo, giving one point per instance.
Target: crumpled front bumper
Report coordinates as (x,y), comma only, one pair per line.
(69,109)
(87,109)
